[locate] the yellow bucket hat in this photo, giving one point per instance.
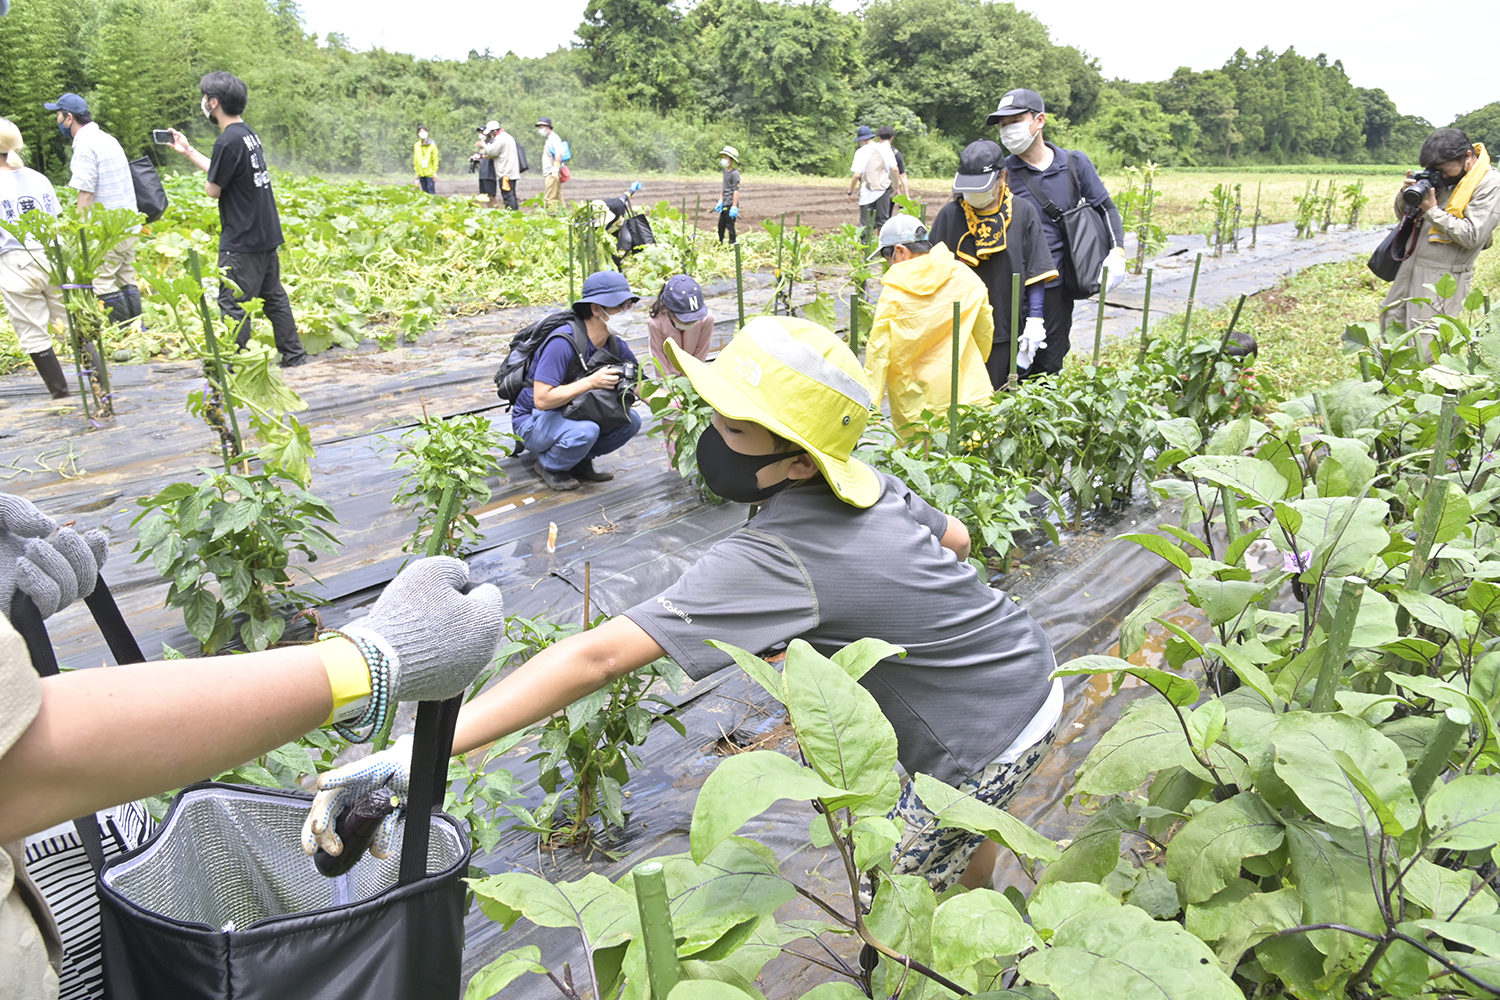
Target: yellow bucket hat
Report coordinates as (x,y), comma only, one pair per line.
(799,381)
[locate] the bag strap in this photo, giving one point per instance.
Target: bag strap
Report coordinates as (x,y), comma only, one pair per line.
(1053,212)
(27,619)
(432,745)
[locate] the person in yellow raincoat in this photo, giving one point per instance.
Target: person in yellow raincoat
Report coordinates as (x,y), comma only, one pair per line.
(910,349)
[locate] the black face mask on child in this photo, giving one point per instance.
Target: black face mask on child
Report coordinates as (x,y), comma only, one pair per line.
(732,475)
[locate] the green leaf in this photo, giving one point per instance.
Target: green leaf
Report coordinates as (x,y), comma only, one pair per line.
(901,916)
(1334,885)
(1095,850)
(1334,553)
(759,670)
(1374,622)
(1178,690)
(605,913)
(1154,892)
(1160,546)
(1346,469)
(1205,855)
(838,990)
(1181,432)
(583,711)
(977,925)
(1163,598)
(1464,813)
(862,654)
(840,728)
(236,588)
(260,633)
(1302,746)
(1237,919)
(1252,478)
(1147,738)
(874,837)
(503,971)
(953,807)
(1223,600)
(1433,612)
(744,786)
(1107,950)
(707,989)
(200,613)
(1252,676)
(1387,816)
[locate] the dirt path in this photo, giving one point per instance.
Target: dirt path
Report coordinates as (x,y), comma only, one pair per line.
(821,202)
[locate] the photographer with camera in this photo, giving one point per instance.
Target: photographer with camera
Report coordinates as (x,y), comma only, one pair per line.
(1455,202)
(577,404)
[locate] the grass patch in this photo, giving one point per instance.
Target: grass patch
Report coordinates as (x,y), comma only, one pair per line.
(1298,324)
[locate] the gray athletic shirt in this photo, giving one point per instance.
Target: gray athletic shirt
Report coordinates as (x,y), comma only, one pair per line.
(811,566)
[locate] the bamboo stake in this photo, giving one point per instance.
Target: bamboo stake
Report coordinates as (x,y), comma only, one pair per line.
(1146,315)
(588,589)
(1255,225)
(953,396)
(1224,341)
(656,928)
(1099,323)
(572,284)
(106,399)
(1337,646)
(1015,329)
(221,374)
(1187,318)
(796,266)
(739,281)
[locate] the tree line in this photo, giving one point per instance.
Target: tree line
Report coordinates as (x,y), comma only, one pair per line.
(662,84)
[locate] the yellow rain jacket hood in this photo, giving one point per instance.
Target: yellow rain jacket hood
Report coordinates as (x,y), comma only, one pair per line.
(911,343)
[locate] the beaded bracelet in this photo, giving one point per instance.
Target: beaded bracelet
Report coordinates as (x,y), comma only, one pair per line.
(380,689)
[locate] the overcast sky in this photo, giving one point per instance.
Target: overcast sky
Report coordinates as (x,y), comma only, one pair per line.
(1146,41)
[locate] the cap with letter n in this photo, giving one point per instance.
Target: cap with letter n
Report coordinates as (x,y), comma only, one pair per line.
(683,297)
(1017,102)
(799,381)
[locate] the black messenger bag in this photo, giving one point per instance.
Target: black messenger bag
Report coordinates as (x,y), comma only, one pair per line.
(1086,236)
(221,903)
(1399,244)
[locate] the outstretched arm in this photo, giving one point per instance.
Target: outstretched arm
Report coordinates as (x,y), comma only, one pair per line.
(553,679)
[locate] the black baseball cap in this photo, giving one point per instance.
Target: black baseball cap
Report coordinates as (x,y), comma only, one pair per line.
(1017,102)
(979,167)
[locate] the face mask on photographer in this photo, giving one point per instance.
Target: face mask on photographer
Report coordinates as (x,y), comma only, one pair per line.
(1017,137)
(616,323)
(732,475)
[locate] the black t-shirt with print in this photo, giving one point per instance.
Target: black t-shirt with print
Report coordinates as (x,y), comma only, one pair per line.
(1025,253)
(248,221)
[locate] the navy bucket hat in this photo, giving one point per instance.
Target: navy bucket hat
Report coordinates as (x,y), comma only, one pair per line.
(606,288)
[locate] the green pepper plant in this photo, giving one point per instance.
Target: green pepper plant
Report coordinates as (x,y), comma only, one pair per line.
(438,452)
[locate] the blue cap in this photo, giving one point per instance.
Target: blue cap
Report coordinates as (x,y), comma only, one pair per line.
(71,103)
(544,121)
(683,298)
(606,288)
(865,132)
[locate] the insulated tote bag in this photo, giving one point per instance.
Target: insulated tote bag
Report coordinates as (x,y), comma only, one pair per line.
(220,902)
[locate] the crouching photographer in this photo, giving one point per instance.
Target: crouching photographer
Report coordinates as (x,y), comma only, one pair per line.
(580,387)
(1454,202)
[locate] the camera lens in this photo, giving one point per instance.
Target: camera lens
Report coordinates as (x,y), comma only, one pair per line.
(1413,195)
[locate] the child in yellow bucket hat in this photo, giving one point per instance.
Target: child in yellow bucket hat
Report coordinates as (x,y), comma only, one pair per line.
(837,552)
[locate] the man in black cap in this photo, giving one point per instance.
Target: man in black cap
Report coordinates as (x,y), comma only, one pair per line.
(1043,173)
(999,236)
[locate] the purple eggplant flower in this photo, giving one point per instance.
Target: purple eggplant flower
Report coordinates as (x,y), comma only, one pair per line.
(1292,562)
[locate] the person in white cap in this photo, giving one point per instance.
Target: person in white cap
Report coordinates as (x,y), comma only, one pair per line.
(490,146)
(910,349)
(729,195)
(554,166)
(835,553)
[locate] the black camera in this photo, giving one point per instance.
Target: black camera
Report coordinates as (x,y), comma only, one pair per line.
(627,371)
(473,164)
(1425,180)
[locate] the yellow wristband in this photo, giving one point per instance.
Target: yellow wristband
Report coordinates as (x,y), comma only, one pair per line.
(348,677)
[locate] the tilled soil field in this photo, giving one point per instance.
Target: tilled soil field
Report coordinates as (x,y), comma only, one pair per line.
(821,202)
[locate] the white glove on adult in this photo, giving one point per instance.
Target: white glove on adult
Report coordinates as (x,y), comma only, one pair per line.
(391,768)
(1115,262)
(1033,339)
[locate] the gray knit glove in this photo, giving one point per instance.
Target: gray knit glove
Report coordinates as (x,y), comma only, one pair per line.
(55,566)
(436,637)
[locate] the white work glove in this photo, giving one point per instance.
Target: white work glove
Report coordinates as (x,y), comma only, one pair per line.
(1115,262)
(54,566)
(391,768)
(436,637)
(1033,339)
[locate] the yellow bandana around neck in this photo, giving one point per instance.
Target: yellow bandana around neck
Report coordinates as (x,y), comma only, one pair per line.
(1459,199)
(988,232)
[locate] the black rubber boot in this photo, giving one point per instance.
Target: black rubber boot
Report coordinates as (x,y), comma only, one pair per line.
(132,299)
(51,371)
(585,472)
(118,307)
(556,480)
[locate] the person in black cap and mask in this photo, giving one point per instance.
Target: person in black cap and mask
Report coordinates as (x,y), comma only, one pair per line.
(566,445)
(1040,173)
(998,235)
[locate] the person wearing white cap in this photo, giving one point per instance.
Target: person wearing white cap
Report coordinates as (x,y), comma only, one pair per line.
(910,349)
(490,147)
(729,196)
(554,167)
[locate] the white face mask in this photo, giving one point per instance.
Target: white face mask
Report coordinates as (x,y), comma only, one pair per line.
(542,132)
(982,200)
(1017,137)
(679,324)
(724,163)
(616,324)
(206,112)
(422,136)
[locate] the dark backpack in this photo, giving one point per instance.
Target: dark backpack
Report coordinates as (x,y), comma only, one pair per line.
(150,196)
(521,165)
(511,378)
